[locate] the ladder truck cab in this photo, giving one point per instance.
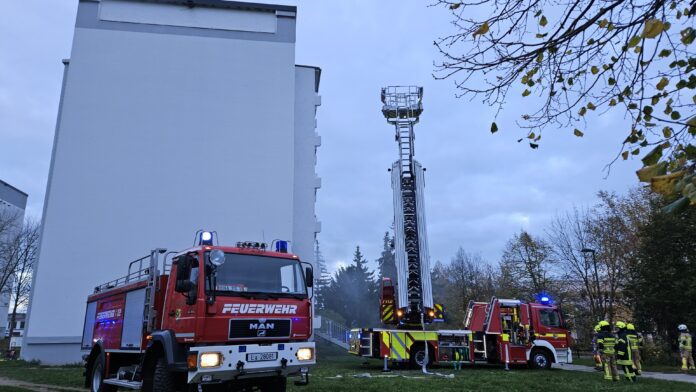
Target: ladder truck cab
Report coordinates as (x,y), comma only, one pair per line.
(511,331)
(209,316)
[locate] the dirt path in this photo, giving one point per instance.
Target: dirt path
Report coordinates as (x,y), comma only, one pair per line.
(35,387)
(656,375)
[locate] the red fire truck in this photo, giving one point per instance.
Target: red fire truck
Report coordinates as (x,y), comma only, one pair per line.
(212,316)
(504,331)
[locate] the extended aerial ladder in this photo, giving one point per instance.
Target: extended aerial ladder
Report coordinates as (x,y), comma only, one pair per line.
(402,107)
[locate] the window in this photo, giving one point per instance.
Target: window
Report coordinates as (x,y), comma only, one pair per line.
(550,318)
(21,325)
(245,273)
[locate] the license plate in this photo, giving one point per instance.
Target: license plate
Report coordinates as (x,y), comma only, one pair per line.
(259,357)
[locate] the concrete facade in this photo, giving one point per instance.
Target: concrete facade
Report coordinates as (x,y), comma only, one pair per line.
(13,202)
(172,119)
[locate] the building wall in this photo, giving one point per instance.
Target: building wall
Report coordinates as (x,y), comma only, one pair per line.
(307,182)
(172,119)
(12,205)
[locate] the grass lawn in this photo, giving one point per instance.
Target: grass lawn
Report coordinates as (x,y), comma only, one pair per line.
(69,376)
(333,362)
(336,371)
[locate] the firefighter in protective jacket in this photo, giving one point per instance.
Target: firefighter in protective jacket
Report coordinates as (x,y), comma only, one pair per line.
(685,348)
(606,342)
(623,352)
(596,355)
(635,342)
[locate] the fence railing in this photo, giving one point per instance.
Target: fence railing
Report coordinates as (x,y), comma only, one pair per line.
(334,332)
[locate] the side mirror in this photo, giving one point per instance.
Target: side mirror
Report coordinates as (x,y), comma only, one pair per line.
(309,276)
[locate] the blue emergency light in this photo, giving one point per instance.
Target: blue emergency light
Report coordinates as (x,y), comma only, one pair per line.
(281,246)
(544,299)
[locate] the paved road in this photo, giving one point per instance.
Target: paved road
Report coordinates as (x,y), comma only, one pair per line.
(656,375)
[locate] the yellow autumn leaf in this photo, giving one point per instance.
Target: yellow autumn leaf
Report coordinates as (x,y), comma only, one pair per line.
(653,28)
(662,83)
(578,133)
(664,184)
(482,30)
(594,70)
(648,172)
(543,22)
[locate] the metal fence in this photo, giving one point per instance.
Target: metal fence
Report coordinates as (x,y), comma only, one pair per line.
(334,332)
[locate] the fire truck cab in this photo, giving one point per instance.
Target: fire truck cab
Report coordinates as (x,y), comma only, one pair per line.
(515,332)
(214,316)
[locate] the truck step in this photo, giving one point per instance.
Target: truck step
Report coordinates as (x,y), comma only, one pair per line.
(124,383)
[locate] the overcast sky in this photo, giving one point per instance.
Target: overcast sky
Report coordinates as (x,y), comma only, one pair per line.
(480,188)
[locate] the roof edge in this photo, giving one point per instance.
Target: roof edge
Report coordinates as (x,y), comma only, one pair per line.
(14,188)
(220,4)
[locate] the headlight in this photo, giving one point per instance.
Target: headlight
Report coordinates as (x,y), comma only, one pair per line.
(208,360)
(305,354)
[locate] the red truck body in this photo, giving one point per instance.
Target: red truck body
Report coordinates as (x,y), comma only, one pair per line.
(501,331)
(256,322)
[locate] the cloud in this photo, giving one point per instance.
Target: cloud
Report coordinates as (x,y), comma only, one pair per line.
(480,188)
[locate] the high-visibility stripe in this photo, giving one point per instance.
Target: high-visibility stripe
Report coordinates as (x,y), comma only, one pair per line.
(552,335)
(387,313)
(399,347)
(421,336)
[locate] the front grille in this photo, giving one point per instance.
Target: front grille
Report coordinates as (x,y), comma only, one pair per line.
(259,328)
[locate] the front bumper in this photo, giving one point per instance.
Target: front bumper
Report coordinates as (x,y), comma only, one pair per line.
(235,364)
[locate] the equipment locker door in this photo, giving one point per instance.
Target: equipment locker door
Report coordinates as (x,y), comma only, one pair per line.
(133,320)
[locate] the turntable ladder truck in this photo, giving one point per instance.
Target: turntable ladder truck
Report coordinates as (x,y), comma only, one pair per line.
(501,331)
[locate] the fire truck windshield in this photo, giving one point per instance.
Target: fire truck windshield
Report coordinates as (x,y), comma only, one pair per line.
(242,274)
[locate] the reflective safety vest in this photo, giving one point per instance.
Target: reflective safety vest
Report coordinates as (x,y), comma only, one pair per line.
(606,341)
(623,350)
(632,340)
(685,341)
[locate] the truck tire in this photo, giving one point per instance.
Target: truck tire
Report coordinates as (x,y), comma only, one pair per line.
(162,379)
(97,376)
(540,359)
(418,355)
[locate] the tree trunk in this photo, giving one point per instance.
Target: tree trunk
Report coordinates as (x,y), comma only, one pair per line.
(13,321)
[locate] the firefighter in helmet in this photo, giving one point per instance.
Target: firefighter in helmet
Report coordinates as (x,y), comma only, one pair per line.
(595,349)
(685,348)
(623,352)
(606,343)
(635,342)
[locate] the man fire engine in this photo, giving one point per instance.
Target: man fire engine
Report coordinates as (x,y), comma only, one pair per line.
(214,316)
(500,331)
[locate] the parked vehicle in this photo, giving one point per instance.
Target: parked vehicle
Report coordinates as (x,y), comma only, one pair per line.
(216,315)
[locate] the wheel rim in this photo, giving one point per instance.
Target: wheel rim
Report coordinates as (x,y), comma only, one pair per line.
(97,377)
(420,358)
(540,360)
